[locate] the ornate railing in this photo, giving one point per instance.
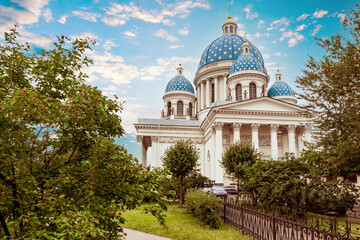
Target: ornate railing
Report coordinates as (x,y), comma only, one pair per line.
(265,226)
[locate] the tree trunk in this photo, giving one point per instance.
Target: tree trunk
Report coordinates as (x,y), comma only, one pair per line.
(181,188)
(3,223)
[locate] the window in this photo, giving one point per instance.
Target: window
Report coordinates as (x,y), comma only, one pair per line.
(190,109)
(226,30)
(263,91)
(212,93)
(238,92)
(169,108)
(180,108)
(231,29)
(252,89)
(246,50)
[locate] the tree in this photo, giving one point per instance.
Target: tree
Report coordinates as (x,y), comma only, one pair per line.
(61,174)
(237,158)
(181,159)
(332,91)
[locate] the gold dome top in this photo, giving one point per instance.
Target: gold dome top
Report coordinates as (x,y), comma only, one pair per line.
(229,20)
(180,67)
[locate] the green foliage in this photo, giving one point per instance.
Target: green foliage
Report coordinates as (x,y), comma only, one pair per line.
(331,88)
(204,206)
(181,159)
(194,180)
(237,158)
(290,185)
(61,174)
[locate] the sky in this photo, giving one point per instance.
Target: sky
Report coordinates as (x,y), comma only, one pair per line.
(140,43)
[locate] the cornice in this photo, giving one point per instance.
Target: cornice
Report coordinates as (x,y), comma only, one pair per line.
(166,127)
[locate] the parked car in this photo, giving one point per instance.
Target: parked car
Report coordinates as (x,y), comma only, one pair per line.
(218,191)
(232,189)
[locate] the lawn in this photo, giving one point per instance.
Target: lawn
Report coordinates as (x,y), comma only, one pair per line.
(181,225)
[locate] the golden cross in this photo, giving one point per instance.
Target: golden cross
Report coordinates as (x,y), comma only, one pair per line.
(229,10)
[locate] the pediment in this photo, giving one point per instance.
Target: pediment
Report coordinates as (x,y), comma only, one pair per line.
(264,104)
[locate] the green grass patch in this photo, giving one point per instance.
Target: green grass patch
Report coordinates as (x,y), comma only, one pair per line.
(181,226)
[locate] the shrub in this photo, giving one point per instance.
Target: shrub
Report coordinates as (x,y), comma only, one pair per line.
(205,207)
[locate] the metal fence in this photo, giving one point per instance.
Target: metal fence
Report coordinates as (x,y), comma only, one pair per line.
(265,226)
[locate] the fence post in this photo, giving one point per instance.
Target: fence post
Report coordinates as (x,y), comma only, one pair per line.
(274,227)
(225,208)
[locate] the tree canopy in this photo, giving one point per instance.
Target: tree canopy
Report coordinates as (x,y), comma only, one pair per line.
(331,88)
(181,159)
(61,174)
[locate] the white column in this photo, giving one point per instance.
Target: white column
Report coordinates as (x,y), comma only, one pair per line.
(154,152)
(216,90)
(197,98)
(274,143)
(202,96)
(213,154)
(255,135)
(141,149)
(236,128)
(207,93)
(225,88)
(291,136)
(308,133)
(300,142)
(219,177)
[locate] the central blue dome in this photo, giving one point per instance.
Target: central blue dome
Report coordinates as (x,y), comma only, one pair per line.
(179,83)
(246,62)
(227,47)
(280,88)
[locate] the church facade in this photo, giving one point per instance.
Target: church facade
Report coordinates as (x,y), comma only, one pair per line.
(232,102)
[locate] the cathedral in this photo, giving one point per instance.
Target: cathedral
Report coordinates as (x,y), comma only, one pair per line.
(229,101)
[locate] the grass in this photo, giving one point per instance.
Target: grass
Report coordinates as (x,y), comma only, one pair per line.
(181,225)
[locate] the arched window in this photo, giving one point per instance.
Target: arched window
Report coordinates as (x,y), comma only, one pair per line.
(238,92)
(180,108)
(263,91)
(231,29)
(226,30)
(212,92)
(252,89)
(246,50)
(190,109)
(169,108)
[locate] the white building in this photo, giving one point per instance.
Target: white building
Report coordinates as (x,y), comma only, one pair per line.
(232,102)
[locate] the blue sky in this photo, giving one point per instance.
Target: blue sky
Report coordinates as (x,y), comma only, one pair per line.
(140,43)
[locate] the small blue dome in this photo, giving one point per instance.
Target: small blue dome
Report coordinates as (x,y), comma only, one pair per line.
(280,88)
(179,83)
(227,47)
(246,62)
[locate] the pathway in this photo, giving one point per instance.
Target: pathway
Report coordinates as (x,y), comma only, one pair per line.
(136,235)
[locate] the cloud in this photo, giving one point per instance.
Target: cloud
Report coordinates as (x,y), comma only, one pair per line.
(282,29)
(112,68)
(319,13)
(92,17)
(266,56)
(84,35)
(316,30)
(119,14)
(47,15)
(161,33)
(62,19)
(294,37)
(130,34)
(35,38)
(303,17)
(277,54)
(342,17)
(241,26)
(175,46)
(301,27)
(109,44)
(260,24)
(28,14)
(249,14)
(258,35)
(277,23)
(184,31)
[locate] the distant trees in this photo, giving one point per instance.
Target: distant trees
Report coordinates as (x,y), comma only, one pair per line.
(331,88)
(61,174)
(181,159)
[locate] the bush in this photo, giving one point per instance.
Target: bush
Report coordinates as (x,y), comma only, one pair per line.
(204,206)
